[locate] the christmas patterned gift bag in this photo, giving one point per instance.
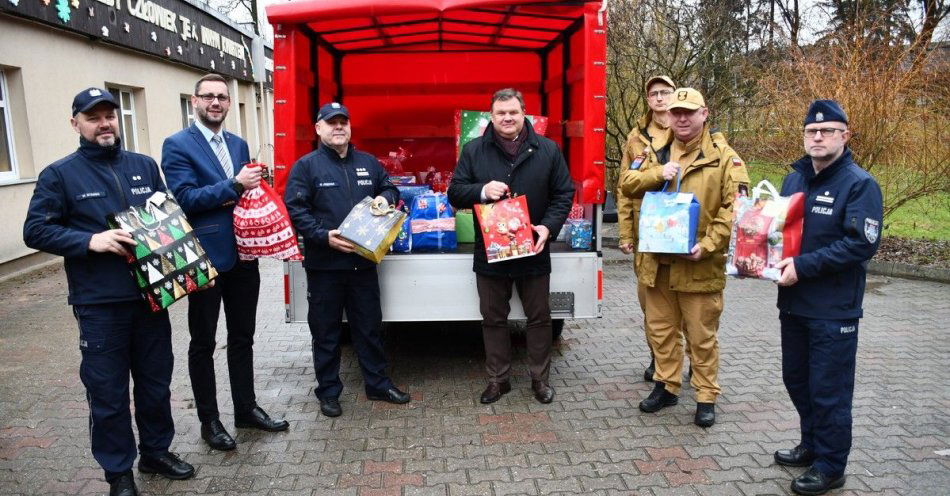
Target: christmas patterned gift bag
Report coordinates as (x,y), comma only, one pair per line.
(506,229)
(372,229)
(766,229)
(262,226)
(168,263)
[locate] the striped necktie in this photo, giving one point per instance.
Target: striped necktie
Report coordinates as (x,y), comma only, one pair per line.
(223,155)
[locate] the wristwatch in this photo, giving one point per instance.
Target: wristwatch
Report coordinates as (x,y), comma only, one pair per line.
(237,186)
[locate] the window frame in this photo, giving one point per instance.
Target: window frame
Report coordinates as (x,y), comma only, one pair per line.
(118,93)
(187,112)
(10,140)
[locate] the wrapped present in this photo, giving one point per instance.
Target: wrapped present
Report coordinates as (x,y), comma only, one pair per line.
(403,242)
(433,225)
(581,234)
(408,193)
(372,229)
(394,160)
(506,229)
(577,211)
(465,226)
(262,226)
(668,221)
(764,231)
(470,124)
(403,179)
(168,262)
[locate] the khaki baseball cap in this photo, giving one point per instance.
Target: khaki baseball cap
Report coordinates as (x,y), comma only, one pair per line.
(654,79)
(687,98)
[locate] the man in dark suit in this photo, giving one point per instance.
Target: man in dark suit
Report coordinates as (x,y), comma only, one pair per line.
(203,167)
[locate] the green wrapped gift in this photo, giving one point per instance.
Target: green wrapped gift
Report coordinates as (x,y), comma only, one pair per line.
(464,226)
(372,229)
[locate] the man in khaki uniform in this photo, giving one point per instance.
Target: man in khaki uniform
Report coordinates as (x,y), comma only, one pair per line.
(651,133)
(684,292)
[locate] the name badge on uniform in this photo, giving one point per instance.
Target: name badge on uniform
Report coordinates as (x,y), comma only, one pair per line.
(91,194)
(326,185)
(637,162)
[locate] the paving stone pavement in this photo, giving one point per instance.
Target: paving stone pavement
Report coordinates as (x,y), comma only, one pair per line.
(591,440)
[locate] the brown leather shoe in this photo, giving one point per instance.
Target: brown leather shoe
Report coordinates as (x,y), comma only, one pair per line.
(494,391)
(543,392)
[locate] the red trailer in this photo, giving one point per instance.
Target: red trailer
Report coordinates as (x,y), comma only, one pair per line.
(403,68)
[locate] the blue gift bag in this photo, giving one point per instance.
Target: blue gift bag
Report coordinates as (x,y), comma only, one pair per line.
(668,221)
(432,223)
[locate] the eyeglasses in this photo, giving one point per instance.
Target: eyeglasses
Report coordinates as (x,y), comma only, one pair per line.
(209,97)
(654,94)
(824,131)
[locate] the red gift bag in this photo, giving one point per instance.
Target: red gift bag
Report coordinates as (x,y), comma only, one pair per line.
(506,229)
(766,229)
(262,226)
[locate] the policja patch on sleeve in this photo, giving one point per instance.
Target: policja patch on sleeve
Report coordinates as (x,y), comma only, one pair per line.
(871,229)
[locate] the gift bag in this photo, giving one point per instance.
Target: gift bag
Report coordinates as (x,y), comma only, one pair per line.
(403,242)
(764,231)
(668,221)
(262,226)
(470,124)
(581,234)
(465,226)
(506,229)
(433,225)
(372,229)
(168,261)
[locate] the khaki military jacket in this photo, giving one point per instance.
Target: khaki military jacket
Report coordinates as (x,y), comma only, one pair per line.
(714,178)
(639,146)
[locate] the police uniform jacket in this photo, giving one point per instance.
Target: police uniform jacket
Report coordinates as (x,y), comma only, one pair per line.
(72,198)
(843,214)
(714,178)
(639,146)
(321,190)
(538,172)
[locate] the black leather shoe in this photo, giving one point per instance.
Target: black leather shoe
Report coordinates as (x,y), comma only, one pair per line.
(330,407)
(391,395)
(123,486)
(659,399)
(216,436)
(259,419)
(167,465)
(813,483)
(649,371)
(494,392)
(543,392)
(799,456)
(705,414)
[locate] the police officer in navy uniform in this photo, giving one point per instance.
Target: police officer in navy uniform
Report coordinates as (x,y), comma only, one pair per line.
(324,185)
(820,295)
(118,334)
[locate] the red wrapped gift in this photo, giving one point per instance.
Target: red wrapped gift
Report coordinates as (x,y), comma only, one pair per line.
(262,226)
(506,229)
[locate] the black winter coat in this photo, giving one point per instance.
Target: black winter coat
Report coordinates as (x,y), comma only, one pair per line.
(539,172)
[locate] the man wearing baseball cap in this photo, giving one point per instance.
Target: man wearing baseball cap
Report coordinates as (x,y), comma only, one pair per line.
(118,334)
(323,186)
(821,292)
(683,293)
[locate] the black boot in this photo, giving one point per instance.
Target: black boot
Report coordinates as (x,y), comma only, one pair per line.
(813,483)
(705,414)
(659,399)
(124,485)
(799,456)
(649,371)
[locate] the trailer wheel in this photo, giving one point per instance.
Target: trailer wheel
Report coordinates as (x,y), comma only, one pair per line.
(557,327)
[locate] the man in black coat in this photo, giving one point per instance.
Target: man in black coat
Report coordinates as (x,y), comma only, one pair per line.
(511,159)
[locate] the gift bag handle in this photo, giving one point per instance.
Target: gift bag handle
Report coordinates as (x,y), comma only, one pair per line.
(766,187)
(148,206)
(679,178)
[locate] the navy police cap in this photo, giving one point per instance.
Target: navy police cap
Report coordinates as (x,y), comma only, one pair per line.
(825,111)
(90,97)
(331,110)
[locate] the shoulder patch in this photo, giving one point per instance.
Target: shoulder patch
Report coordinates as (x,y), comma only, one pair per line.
(871,229)
(736,161)
(637,162)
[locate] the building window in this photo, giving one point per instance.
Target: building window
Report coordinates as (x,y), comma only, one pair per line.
(8,170)
(187,112)
(126,118)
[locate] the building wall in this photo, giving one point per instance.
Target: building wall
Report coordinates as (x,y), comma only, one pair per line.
(45,68)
